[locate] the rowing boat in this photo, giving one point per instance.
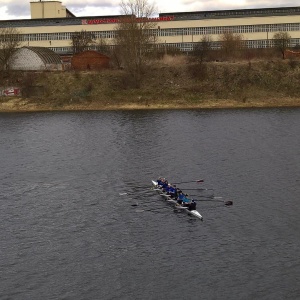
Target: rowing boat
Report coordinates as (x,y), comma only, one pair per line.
(169,199)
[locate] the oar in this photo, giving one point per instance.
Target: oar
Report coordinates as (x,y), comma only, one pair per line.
(205,196)
(227,202)
(133,193)
(199,189)
(198,181)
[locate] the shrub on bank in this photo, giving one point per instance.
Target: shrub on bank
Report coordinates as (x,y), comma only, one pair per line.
(169,81)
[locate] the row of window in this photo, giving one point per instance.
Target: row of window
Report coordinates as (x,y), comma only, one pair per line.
(172,31)
(187,47)
(252,44)
(235,29)
(63,36)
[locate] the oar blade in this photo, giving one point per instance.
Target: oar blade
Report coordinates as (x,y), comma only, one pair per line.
(228,203)
(216,199)
(190,181)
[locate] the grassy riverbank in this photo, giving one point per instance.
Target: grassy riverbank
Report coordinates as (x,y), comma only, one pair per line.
(169,84)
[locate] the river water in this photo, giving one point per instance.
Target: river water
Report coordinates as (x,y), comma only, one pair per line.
(67,233)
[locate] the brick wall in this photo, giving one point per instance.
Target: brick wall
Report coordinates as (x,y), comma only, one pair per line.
(90,60)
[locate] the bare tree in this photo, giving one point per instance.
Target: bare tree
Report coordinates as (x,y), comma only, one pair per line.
(231,43)
(135,37)
(202,49)
(281,42)
(103,47)
(9,42)
(82,41)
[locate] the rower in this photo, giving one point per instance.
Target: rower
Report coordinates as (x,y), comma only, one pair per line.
(165,184)
(172,191)
(185,200)
(180,197)
(175,194)
(160,181)
(166,188)
(192,205)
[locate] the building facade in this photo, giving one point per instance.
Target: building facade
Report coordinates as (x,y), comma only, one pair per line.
(49,9)
(52,26)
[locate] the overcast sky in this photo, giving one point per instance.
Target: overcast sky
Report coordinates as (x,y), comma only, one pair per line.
(20,9)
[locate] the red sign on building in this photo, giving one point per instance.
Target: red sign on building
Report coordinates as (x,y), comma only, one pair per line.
(116,20)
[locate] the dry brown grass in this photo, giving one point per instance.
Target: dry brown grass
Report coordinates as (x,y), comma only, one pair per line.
(174,60)
(173,82)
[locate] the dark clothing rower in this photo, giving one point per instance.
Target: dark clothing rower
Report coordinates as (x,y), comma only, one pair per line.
(192,205)
(173,192)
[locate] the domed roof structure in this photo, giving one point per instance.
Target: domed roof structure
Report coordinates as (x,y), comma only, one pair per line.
(34,59)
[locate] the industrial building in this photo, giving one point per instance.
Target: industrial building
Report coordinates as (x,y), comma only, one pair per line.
(52,26)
